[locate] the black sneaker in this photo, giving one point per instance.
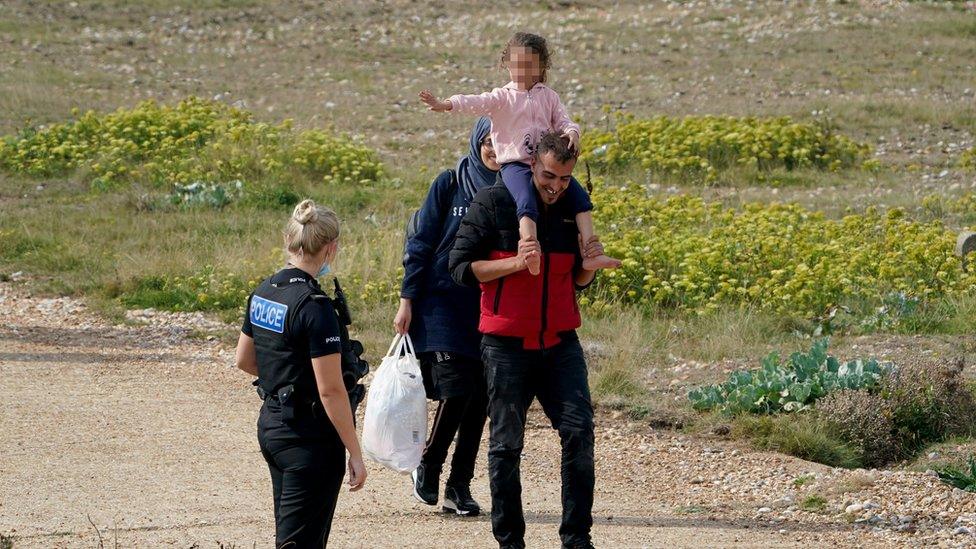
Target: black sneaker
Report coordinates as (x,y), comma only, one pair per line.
(458,500)
(425,484)
(580,545)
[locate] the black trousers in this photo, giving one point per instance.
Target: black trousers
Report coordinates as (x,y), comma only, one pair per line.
(461,411)
(306,459)
(557,377)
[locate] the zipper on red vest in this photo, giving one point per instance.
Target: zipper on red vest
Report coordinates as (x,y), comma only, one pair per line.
(545,299)
(498,295)
(545,284)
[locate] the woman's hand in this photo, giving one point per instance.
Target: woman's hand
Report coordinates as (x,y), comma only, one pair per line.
(357,473)
(401,322)
(433,103)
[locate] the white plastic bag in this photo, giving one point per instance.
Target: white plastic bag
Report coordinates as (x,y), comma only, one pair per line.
(395,422)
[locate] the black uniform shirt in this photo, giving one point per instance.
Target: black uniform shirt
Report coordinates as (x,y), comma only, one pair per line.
(314,327)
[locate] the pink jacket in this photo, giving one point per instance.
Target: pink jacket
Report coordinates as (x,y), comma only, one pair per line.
(519,118)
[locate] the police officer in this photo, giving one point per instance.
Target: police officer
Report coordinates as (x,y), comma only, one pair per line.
(291,341)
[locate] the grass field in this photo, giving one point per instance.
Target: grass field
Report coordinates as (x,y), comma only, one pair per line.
(894,75)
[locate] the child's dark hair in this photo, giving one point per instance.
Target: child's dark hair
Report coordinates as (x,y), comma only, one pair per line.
(552,142)
(533,42)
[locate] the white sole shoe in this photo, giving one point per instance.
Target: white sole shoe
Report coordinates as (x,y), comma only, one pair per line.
(451,507)
(413,485)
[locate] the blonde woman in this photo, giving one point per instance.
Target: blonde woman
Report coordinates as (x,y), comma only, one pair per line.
(291,341)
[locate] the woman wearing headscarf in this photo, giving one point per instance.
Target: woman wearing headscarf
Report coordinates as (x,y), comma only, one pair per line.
(442,320)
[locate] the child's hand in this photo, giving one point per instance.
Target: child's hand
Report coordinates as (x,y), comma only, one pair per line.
(433,103)
(573,141)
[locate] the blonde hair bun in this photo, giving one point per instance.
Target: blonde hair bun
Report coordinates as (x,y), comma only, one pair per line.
(310,228)
(305,212)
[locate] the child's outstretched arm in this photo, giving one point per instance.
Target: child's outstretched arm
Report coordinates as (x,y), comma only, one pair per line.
(434,103)
(482,104)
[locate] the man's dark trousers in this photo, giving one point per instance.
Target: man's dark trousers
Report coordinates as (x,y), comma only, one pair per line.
(557,377)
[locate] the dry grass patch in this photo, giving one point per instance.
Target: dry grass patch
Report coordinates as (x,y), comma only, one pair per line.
(851,483)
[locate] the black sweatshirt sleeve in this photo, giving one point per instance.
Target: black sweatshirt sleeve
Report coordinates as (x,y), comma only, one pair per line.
(421,246)
(474,239)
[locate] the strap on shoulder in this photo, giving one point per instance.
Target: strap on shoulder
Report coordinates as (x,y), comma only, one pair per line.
(309,293)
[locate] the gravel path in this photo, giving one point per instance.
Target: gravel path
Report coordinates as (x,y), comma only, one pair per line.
(147,434)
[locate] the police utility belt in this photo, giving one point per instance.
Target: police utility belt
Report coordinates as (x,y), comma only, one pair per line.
(290,401)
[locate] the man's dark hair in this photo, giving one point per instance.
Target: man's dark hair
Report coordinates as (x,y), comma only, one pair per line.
(552,142)
(533,42)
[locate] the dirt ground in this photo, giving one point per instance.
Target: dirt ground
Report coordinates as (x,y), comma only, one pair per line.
(144,436)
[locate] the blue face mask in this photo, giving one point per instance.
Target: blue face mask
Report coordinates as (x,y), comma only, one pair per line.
(326,269)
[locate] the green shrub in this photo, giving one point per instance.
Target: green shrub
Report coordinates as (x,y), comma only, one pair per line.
(932,402)
(197,140)
(616,382)
(334,158)
(803,480)
(786,386)
(968,158)
(688,254)
(814,503)
(803,435)
(15,246)
(271,196)
(865,421)
(964,479)
(109,144)
(913,406)
(207,290)
(379,289)
(205,195)
(700,146)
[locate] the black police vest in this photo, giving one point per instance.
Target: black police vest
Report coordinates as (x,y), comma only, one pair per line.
(282,356)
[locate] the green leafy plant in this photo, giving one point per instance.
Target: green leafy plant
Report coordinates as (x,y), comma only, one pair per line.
(200,194)
(788,386)
(685,253)
(206,290)
(700,146)
(896,308)
(962,478)
(803,480)
(913,406)
(195,140)
(814,503)
(271,196)
(803,435)
(968,158)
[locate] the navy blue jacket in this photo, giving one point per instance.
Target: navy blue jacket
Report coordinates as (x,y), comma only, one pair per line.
(445,314)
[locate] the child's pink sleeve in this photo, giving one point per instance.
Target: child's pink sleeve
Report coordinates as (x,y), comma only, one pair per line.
(482,104)
(560,120)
